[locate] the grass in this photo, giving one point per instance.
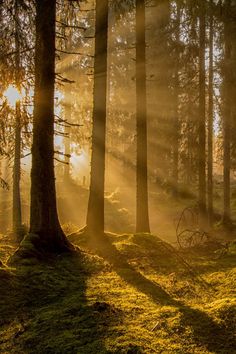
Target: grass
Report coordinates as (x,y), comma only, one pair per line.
(126,294)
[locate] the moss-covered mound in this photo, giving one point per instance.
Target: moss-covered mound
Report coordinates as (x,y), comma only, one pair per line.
(124,294)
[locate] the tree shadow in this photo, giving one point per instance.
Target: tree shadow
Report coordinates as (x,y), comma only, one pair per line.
(48,306)
(205,331)
(205,263)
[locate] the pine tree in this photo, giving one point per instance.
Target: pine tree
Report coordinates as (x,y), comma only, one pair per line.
(202,117)
(16,212)
(176,118)
(142,213)
(210,117)
(95,213)
(227,111)
(45,229)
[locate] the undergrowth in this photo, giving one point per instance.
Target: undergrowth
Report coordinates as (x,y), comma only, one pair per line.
(124,294)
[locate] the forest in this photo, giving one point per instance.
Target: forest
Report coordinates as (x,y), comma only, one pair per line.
(117,176)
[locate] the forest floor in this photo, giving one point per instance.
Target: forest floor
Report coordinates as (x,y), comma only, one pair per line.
(129,294)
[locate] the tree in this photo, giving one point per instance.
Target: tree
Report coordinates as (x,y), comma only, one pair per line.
(95,213)
(44,223)
(202,117)
(189,93)
(159,62)
(176,118)
(68,108)
(233,84)
(210,117)
(227,77)
(17,215)
(142,213)
(15,67)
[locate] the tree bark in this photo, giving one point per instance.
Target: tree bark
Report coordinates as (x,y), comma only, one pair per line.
(202,117)
(142,213)
(16,196)
(160,107)
(17,218)
(227,114)
(44,221)
(210,119)
(95,214)
(176,123)
(67,176)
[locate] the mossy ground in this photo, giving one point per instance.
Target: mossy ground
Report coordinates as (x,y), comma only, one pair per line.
(128,294)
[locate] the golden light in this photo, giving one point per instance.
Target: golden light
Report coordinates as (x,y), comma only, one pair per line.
(58,102)
(59,96)
(80,164)
(12,95)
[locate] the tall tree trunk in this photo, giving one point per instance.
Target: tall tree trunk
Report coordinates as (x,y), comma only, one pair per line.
(233,84)
(227,113)
(16,208)
(68,99)
(142,214)
(202,116)
(160,108)
(95,214)
(176,123)
(210,119)
(17,219)
(44,221)
(67,176)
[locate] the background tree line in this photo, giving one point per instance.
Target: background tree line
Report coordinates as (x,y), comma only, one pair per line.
(153,85)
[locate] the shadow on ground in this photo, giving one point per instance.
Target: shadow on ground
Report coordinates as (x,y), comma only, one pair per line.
(206,332)
(44,309)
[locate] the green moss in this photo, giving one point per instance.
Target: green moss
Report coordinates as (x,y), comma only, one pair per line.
(135,296)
